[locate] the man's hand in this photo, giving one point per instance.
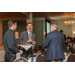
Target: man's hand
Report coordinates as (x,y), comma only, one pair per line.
(31,41)
(21,51)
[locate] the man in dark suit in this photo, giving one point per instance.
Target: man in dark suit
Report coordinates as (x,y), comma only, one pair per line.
(27,37)
(54,43)
(10,42)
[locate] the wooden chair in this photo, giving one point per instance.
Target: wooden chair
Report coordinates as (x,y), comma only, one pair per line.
(41,58)
(72,49)
(22,59)
(65,49)
(71,58)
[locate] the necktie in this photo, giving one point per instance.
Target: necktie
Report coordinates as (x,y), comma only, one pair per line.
(30,36)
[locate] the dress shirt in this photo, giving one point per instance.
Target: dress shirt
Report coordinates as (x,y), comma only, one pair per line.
(28,34)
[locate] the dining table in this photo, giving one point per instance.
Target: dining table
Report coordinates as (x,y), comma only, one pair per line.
(27,47)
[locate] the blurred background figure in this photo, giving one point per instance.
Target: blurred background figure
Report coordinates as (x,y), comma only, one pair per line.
(64,34)
(68,37)
(41,49)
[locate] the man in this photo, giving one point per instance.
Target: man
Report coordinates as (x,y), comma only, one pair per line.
(10,42)
(27,37)
(54,43)
(62,33)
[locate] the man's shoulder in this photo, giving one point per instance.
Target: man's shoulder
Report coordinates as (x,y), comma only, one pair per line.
(23,32)
(33,34)
(8,32)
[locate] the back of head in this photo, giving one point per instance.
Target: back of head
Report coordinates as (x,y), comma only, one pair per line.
(11,22)
(61,31)
(55,25)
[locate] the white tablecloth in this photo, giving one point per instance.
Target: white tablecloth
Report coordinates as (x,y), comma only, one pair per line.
(26,47)
(66,57)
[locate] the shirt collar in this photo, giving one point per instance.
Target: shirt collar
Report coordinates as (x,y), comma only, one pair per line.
(54,29)
(12,30)
(28,31)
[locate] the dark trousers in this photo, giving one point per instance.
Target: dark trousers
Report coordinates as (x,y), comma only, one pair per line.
(10,57)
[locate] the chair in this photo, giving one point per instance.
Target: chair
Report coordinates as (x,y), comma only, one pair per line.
(72,49)
(21,59)
(71,58)
(65,49)
(55,60)
(41,58)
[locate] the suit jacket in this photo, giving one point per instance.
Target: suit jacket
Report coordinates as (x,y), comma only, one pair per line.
(24,37)
(54,43)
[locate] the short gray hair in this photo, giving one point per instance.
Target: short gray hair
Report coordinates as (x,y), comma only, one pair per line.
(55,25)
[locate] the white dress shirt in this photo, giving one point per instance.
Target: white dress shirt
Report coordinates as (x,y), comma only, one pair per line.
(28,34)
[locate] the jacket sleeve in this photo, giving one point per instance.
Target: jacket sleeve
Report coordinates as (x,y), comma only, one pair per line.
(34,37)
(11,43)
(63,41)
(47,41)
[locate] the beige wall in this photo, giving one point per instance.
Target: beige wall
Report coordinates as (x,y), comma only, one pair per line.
(73,29)
(38,30)
(67,30)
(0,32)
(2,53)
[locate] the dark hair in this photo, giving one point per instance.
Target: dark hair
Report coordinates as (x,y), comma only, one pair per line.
(11,22)
(61,30)
(29,23)
(41,48)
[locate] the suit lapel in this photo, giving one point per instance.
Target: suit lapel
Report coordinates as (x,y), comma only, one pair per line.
(27,35)
(32,36)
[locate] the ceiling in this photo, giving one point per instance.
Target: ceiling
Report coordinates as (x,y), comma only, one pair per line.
(55,15)
(48,15)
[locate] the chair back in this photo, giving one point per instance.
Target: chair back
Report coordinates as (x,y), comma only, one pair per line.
(71,58)
(21,59)
(72,49)
(41,58)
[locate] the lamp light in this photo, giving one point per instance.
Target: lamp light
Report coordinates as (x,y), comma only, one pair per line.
(69,22)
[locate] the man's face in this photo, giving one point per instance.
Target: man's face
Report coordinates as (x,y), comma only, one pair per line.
(51,28)
(15,26)
(29,27)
